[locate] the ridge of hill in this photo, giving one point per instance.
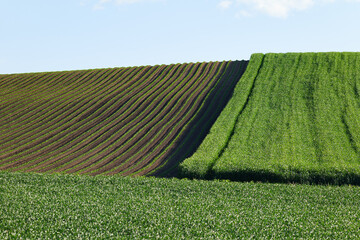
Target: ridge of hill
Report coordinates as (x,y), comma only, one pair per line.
(293,117)
(128,121)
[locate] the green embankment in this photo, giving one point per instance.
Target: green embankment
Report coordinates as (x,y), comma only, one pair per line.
(293,118)
(50,206)
(204,158)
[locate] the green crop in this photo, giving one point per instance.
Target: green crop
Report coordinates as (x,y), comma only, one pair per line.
(35,206)
(299,123)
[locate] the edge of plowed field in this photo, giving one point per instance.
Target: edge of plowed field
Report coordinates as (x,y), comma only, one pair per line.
(127,121)
(199,165)
(203,120)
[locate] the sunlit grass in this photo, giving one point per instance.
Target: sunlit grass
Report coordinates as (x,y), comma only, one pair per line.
(39,206)
(300,123)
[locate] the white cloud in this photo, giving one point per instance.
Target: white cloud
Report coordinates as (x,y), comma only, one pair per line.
(224,4)
(121,2)
(277,8)
(100,4)
(274,8)
(243,13)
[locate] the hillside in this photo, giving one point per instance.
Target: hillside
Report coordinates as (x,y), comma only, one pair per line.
(128,121)
(293,117)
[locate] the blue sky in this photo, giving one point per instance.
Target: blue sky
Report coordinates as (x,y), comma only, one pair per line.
(43,35)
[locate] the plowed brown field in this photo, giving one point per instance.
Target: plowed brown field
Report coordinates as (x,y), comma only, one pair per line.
(128,121)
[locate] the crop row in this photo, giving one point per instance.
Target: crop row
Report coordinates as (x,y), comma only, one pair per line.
(42,130)
(106,121)
(206,116)
(131,128)
(79,127)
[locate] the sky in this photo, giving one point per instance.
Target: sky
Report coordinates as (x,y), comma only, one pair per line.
(43,35)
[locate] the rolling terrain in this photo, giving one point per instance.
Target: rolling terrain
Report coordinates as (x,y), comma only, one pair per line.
(276,118)
(128,121)
(293,118)
(279,117)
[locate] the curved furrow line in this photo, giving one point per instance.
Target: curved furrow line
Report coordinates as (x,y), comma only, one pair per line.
(83,107)
(9,105)
(26,133)
(79,89)
(81,132)
(94,134)
(38,115)
(197,127)
(156,150)
(18,81)
(46,91)
(121,132)
(7,84)
(80,104)
(25,115)
(104,124)
(32,87)
(153,123)
(74,126)
(39,79)
(88,97)
(120,124)
(5,78)
(172,129)
(149,150)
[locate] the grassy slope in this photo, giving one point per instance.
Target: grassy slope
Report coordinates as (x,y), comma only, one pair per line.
(82,207)
(202,161)
(300,123)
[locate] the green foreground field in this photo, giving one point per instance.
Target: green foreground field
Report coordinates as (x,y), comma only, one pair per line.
(39,206)
(292,118)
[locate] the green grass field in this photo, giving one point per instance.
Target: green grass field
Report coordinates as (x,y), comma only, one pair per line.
(40,206)
(293,118)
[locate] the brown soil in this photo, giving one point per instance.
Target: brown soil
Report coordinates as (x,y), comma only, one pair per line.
(115,121)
